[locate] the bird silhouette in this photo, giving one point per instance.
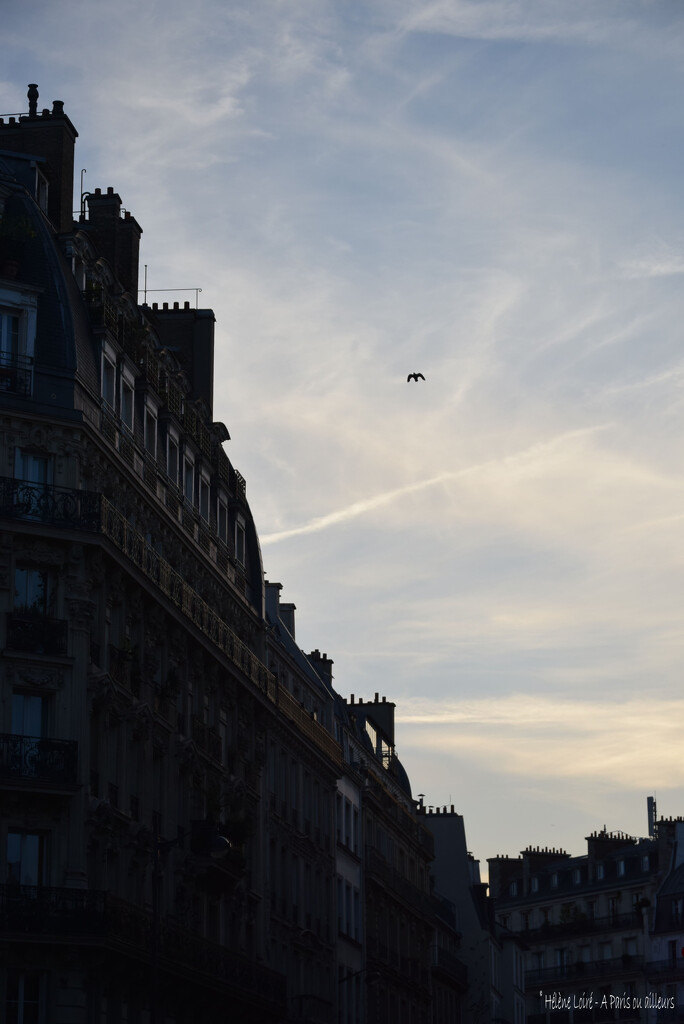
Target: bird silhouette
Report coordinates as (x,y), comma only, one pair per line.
(414,376)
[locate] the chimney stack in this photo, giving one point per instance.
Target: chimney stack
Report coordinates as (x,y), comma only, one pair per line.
(117,239)
(50,137)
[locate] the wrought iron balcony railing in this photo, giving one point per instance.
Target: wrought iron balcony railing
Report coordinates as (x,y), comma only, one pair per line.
(45,503)
(617,968)
(579,924)
(96,915)
(16,374)
(38,759)
(37,633)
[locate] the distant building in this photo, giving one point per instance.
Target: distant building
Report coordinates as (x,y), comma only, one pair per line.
(489,957)
(398,850)
(590,924)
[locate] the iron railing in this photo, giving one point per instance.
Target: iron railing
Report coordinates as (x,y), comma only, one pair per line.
(16,374)
(37,633)
(580,925)
(617,967)
(38,912)
(45,503)
(38,758)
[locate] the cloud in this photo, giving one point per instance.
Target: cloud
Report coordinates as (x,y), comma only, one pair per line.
(547,738)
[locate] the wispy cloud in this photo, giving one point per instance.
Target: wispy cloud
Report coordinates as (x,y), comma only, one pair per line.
(550,738)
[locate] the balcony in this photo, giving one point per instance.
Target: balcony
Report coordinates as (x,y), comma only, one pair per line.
(37,634)
(381,871)
(43,914)
(16,374)
(583,925)
(619,968)
(44,503)
(27,759)
(447,964)
(660,971)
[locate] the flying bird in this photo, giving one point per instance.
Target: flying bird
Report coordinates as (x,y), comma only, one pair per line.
(414,376)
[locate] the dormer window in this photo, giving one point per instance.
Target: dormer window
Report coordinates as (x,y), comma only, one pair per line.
(150,431)
(41,190)
(17,339)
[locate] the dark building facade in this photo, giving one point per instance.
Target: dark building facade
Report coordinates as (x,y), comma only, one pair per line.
(193,824)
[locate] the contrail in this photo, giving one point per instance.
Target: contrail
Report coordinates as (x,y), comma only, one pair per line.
(368,504)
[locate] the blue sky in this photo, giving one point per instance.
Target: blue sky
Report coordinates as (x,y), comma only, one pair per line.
(487,192)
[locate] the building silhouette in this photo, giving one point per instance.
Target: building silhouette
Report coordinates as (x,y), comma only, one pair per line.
(194,825)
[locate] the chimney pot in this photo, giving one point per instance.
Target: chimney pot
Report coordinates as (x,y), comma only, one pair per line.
(186,306)
(33,99)
(175,305)
(376,698)
(110,191)
(45,112)
(58,108)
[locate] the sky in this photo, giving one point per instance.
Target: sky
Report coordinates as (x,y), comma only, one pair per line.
(484,191)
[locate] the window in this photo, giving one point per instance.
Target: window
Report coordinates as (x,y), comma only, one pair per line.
(222,521)
(645,862)
(108,381)
(600,872)
(189,481)
(127,404)
(25,1000)
(577,876)
(150,432)
(36,469)
(172,459)
(9,336)
(25,860)
(554,880)
(535,884)
(32,591)
(240,542)
(28,715)
(513,889)
(17,339)
(42,190)
(621,867)
(204,497)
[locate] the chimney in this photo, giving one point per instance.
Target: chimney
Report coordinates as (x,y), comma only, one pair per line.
(323,665)
(116,239)
(48,137)
(189,333)
(287,616)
